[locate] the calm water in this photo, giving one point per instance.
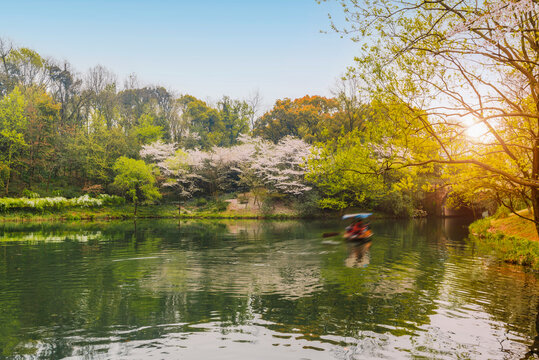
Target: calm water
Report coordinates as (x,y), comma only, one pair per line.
(258,290)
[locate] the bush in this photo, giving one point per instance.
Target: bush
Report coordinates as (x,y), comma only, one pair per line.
(93,189)
(243,199)
(201,202)
(397,204)
(308,205)
(221,205)
(111,199)
(480,226)
(267,206)
(502,212)
(29,194)
(56,203)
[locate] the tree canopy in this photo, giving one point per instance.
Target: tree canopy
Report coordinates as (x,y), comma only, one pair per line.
(470,69)
(136,180)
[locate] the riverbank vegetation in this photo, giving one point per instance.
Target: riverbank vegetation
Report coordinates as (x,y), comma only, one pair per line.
(465,76)
(115,207)
(67,136)
(440,109)
(512,238)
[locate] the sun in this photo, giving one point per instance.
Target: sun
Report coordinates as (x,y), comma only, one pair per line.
(476,131)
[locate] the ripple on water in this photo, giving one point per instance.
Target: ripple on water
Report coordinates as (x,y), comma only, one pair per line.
(273,292)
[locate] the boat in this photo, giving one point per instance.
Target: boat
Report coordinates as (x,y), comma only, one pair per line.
(358,230)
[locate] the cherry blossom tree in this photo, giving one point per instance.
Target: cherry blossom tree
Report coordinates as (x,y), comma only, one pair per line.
(254,163)
(281,166)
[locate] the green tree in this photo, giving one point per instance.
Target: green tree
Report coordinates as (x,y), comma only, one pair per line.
(41,135)
(235,117)
(471,68)
(358,168)
(205,122)
(13,122)
(28,67)
(136,180)
(147,132)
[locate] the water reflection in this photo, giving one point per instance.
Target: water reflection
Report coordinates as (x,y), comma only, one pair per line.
(358,255)
(534,347)
(274,289)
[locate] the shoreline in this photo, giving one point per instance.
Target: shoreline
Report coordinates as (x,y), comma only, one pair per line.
(504,237)
(125,212)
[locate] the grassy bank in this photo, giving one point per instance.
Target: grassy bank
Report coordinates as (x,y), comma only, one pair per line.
(106,207)
(92,213)
(511,238)
(143,212)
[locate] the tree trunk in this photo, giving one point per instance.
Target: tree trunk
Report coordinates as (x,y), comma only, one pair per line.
(535,207)
(8,169)
(534,190)
(136,203)
(179,206)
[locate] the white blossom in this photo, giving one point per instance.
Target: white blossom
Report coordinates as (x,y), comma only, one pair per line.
(505,13)
(277,167)
(157,151)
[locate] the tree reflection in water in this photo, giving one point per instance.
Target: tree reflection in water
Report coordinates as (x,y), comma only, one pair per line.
(75,289)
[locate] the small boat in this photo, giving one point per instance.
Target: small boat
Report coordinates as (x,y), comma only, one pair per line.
(357,230)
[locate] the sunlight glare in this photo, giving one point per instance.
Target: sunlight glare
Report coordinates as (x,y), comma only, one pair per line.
(476,131)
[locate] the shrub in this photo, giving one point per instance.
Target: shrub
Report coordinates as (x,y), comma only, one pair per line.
(201,202)
(93,189)
(243,199)
(221,205)
(56,203)
(480,226)
(111,199)
(267,206)
(308,205)
(30,194)
(398,204)
(502,212)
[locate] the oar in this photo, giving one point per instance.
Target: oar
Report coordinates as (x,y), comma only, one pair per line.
(325,235)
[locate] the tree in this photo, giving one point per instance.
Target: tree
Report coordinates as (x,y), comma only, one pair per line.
(358,168)
(235,117)
(174,165)
(305,118)
(146,132)
(40,134)
(354,111)
(65,88)
(281,166)
(28,67)
(6,68)
(255,103)
(13,121)
(466,66)
(136,180)
(180,178)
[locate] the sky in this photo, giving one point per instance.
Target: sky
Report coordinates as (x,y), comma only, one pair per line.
(204,48)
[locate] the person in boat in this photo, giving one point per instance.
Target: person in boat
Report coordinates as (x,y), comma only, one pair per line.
(358,228)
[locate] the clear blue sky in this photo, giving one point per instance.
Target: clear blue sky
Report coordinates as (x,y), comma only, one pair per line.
(204,48)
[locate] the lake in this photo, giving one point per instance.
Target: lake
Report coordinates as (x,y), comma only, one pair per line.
(259,290)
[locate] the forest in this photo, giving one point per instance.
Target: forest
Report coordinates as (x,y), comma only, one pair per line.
(65,134)
(437,105)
